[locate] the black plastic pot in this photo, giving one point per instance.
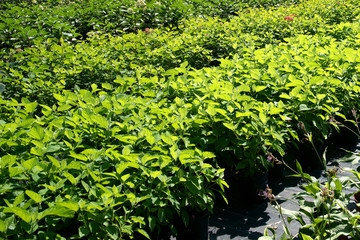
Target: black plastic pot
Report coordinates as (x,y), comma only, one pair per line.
(244,190)
(306,155)
(197,228)
(276,173)
(346,137)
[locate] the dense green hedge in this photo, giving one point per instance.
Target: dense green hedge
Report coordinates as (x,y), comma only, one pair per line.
(23,21)
(134,155)
(53,64)
(99,165)
(122,135)
(21,24)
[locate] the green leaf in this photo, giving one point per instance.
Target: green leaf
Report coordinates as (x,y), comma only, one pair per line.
(263,117)
(279,137)
(57,211)
(52,148)
(170,72)
(317,80)
(306,237)
(150,139)
(63,107)
(106,86)
(161,215)
(112,232)
(74,206)
(303,107)
(7,160)
(143,232)
(78,156)
(185,218)
(34,196)
(19,199)
(124,165)
(155,174)
(70,177)
(36,132)
(243,114)
(229,125)
(211,110)
(167,139)
(54,161)
(83,231)
(20,212)
(259,88)
(243,88)
(3,226)
(126,151)
(30,107)
(285,96)
(38,151)
(101,120)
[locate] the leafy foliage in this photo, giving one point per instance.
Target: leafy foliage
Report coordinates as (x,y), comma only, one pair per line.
(125,132)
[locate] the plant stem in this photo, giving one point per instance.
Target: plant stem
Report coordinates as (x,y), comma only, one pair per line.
(283,219)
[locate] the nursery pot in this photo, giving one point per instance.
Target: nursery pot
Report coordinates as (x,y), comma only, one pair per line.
(306,155)
(346,137)
(244,190)
(197,228)
(276,173)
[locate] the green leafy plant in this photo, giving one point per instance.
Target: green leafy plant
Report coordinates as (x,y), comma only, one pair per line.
(93,164)
(324,208)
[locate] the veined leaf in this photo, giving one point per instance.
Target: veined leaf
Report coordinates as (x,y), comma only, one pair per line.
(20,212)
(126,151)
(78,156)
(317,80)
(59,211)
(167,139)
(54,161)
(306,237)
(230,126)
(243,88)
(3,226)
(207,155)
(262,118)
(150,139)
(19,199)
(303,107)
(36,132)
(243,114)
(102,121)
(211,110)
(275,110)
(143,232)
(70,177)
(222,112)
(7,160)
(34,196)
(285,96)
(155,174)
(74,165)
(127,139)
(30,107)
(259,88)
(124,165)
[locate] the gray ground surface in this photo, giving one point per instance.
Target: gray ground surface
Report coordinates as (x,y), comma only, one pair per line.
(238,222)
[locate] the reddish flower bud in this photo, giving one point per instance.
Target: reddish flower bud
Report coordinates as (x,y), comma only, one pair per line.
(288,18)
